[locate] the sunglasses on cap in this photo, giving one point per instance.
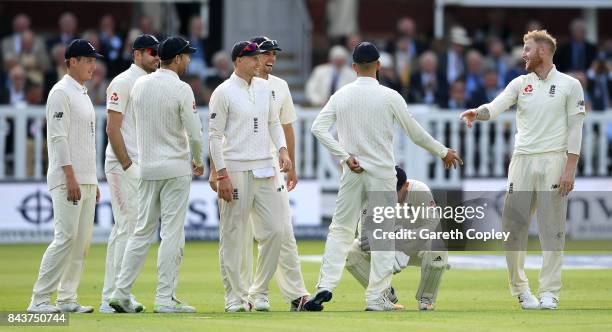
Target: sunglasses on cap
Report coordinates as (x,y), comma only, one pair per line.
(250,47)
(150,51)
(268,45)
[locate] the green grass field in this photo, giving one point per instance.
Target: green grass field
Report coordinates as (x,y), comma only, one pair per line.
(469,300)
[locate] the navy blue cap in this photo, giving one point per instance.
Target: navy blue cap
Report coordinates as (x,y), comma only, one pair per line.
(266,44)
(245,48)
(81,47)
(401,177)
(174,46)
(365,52)
(145,41)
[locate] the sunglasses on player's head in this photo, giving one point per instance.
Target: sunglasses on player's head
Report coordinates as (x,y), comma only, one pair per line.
(150,51)
(250,47)
(268,44)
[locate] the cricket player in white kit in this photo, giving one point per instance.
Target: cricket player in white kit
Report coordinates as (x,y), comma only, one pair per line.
(168,128)
(72,181)
(549,117)
(365,113)
(433,263)
(288,274)
(121,167)
(242,124)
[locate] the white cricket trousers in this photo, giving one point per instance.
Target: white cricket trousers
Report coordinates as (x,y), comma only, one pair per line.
(533,185)
(167,199)
(288,274)
(258,197)
(62,264)
(352,195)
(124,201)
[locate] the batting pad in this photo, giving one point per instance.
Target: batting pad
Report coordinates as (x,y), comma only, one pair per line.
(432,267)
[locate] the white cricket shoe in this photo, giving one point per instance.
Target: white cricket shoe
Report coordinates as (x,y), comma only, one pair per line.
(75,308)
(528,301)
(426,304)
(548,301)
(382,303)
(138,307)
(43,308)
(176,307)
(105,308)
(239,307)
(261,303)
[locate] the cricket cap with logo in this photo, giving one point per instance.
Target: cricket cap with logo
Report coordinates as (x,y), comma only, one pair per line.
(81,47)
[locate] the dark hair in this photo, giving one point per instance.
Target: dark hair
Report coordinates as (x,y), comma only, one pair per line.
(401,178)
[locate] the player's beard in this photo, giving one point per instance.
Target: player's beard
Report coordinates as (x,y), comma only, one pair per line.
(533,63)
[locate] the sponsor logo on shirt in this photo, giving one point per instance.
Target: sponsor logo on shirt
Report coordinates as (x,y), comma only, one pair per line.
(114,98)
(213,115)
(528,89)
(58,115)
(511,188)
(551,92)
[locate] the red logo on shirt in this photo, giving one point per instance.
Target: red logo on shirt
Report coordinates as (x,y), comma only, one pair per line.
(528,88)
(114,97)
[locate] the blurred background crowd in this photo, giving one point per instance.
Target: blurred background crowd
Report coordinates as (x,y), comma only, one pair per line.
(478,55)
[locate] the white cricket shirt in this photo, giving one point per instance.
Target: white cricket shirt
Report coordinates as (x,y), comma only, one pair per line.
(71,133)
(281,102)
(543,106)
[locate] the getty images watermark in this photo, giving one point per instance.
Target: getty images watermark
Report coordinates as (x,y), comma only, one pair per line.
(414,217)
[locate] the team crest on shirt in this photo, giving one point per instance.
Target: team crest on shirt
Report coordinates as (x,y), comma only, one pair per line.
(528,89)
(551,92)
(114,98)
(273,95)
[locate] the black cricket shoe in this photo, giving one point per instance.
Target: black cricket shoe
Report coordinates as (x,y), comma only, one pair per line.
(316,302)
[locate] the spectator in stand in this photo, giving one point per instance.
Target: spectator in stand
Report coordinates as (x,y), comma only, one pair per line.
(327,78)
(451,63)
(34,96)
(456,93)
(387,75)
(67,27)
(498,60)
(12,45)
(111,45)
(197,87)
(221,71)
(578,54)
(351,41)
(33,56)
(517,64)
(16,87)
(405,49)
(428,85)
(57,71)
(599,85)
(491,87)
(126,55)
(199,60)
(96,87)
(146,26)
(474,85)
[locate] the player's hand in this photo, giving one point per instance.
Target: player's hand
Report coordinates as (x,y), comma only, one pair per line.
(225,190)
(468,117)
(566,183)
(197,170)
(73,189)
(353,164)
(284,161)
(401,261)
(452,159)
(292,179)
(98,195)
(212,180)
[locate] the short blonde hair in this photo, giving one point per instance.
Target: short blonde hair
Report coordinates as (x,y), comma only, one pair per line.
(541,36)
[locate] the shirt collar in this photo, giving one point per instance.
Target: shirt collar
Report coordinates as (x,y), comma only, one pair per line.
(366,80)
(168,72)
(551,74)
(137,69)
(240,81)
(75,84)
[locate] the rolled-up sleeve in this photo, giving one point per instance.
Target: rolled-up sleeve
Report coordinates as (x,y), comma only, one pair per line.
(504,100)
(58,126)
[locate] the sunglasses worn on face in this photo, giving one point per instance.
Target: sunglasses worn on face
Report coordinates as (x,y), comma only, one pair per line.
(150,51)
